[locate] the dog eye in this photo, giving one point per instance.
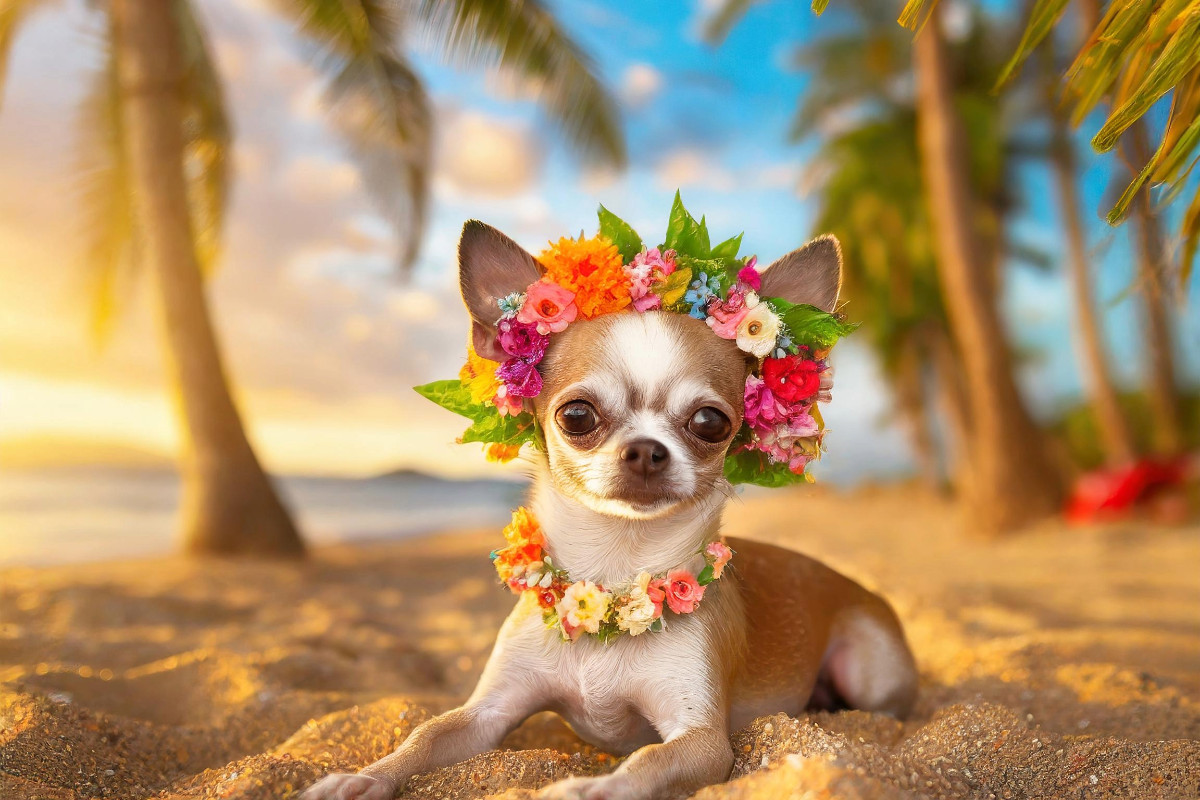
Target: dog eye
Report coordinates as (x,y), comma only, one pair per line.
(577,418)
(709,424)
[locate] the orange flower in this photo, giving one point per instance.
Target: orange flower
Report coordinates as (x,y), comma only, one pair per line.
(524,529)
(479,375)
(498,452)
(593,270)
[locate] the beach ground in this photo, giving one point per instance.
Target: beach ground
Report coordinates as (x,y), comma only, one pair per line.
(1062,662)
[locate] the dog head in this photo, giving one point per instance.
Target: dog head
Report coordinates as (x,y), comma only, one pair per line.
(638,409)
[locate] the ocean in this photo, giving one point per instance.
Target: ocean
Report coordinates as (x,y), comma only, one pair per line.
(72,515)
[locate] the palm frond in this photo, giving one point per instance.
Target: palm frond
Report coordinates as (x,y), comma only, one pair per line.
(521,36)
(715,29)
(106,194)
(1042,18)
(207,137)
(12,14)
(378,103)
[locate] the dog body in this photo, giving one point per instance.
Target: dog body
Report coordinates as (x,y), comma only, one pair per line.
(638,411)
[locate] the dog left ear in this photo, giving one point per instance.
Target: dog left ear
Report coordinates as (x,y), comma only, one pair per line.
(811,274)
(490,266)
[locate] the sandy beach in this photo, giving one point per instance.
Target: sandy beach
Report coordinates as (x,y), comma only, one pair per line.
(1064,662)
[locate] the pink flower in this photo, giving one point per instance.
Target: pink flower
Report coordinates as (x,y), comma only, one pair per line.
(749,274)
(725,316)
(520,377)
(720,554)
(683,592)
(657,592)
(647,302)
(521,339)
(765,411)
(648,268)
(548,306)
(506,403)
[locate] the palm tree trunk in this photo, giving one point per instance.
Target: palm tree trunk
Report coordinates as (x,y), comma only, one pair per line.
(1115,434)
(1013,479)
(229,505)
(1152,279)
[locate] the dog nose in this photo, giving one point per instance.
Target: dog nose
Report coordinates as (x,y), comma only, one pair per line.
(644,457)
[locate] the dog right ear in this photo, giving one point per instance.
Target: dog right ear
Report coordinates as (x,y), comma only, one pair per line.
(491,266)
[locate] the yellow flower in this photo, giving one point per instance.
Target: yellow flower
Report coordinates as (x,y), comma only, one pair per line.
(501,453)
(479,375)
(593,270)
(582,608)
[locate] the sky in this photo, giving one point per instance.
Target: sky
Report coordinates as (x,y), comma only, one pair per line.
(324,340)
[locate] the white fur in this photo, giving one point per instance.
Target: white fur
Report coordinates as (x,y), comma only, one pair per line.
(638,352)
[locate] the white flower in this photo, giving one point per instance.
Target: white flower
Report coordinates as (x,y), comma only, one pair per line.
(757,331)
(637,612)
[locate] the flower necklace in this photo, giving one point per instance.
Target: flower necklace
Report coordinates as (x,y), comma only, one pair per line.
(576,608)
(613,272)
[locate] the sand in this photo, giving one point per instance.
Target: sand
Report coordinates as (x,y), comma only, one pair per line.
(1064,662)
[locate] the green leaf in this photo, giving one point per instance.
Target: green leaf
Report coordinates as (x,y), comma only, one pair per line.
(818,6)
(492,428)
(706,575)
(685,235)
(753,466)
(620,233)
(728,249)
(810,325)
(452,395)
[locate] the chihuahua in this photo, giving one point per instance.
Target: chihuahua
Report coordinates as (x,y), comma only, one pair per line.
(638,411)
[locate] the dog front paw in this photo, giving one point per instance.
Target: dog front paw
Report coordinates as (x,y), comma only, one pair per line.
(349,787)
(604,787)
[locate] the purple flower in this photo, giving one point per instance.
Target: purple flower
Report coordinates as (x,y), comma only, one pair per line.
(520,377)
(522,340)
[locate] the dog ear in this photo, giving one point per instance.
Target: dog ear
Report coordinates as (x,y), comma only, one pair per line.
(811,274)
(491,266)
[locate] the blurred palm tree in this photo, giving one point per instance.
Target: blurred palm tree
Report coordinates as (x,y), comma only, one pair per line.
(1134,54)
(1012,479)
(157,175)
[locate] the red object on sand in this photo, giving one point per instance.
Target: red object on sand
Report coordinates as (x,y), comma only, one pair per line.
(1111,493)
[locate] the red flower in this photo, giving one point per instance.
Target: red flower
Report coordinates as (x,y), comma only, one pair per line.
(683,592)
(548,597)
(792,378)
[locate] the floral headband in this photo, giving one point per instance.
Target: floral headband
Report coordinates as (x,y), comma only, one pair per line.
(613,272)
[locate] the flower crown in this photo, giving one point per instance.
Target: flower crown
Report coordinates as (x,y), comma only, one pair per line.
(614,271)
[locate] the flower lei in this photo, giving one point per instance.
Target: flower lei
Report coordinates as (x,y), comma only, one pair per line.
(575,608)
(614,271)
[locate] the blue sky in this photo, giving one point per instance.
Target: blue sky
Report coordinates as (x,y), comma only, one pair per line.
(324,339)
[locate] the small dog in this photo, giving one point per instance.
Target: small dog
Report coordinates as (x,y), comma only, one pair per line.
(638,411)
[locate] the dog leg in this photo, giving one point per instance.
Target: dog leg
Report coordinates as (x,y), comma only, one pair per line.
(446,739)
(676,768)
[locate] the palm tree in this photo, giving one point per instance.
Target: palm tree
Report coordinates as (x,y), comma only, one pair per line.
(159,172)
(1012,478)
(1133,56)
(1116,437)
(870,195)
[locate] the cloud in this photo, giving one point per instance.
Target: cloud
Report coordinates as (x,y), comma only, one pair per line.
(316,178)
(482,154)
(640,83)
(692,167)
